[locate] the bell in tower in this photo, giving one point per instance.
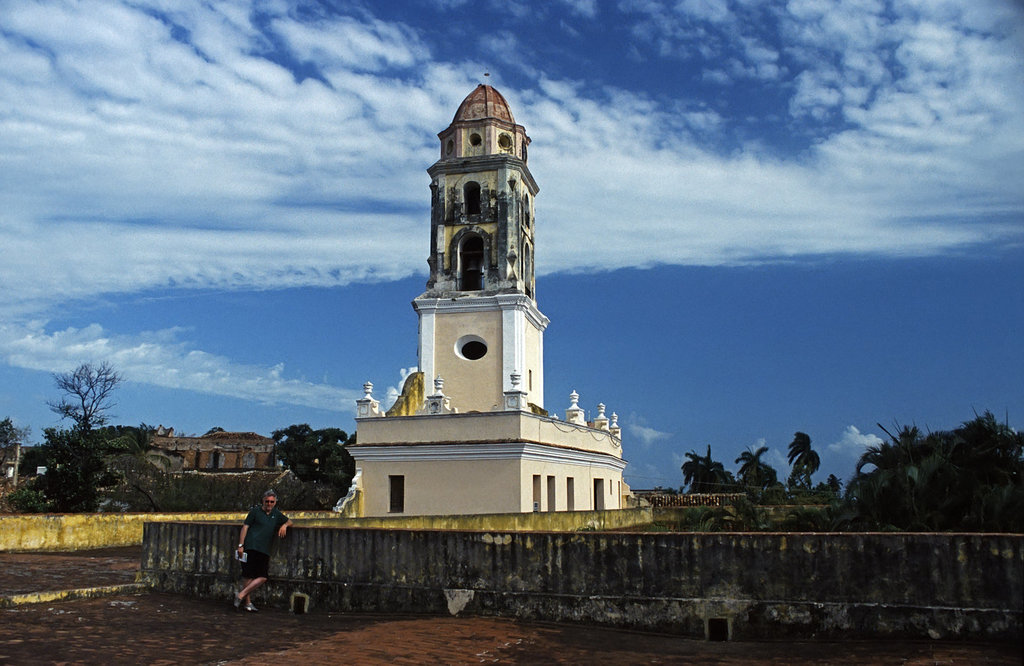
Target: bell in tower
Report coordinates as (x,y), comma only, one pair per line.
(479,322)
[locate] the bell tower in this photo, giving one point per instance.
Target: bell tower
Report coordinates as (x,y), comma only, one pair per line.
(479,326)
(469,433)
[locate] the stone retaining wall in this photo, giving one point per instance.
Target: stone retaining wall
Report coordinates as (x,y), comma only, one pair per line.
(755,585)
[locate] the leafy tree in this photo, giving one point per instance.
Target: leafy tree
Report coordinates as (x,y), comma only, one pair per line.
(131,465)
(125,439)
(804,459)
(745,516)
(833,485)
(703,474)
(754,473)
(88,394)
(75,458)
(970,478)
(75,469)
(317,455)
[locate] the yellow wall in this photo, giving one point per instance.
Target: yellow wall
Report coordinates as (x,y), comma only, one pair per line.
(583,486)
(472,385)
(442,486)
(562,521)
(463,463)
(483,427)
(82,531)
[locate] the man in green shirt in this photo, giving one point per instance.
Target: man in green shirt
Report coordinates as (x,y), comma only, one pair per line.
(254,543)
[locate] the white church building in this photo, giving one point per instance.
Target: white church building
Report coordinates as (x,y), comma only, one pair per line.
(475,437)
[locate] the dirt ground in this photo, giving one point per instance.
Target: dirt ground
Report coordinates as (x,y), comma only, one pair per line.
(156,628)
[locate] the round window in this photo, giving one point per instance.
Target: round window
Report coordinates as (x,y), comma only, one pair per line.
(449,147)
(471,348)
(475,139)
(505,142)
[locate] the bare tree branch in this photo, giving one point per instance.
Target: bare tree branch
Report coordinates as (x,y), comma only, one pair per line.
(88,392)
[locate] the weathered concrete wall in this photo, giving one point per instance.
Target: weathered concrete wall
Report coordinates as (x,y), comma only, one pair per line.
(750,585)
(546,521)
(81,531)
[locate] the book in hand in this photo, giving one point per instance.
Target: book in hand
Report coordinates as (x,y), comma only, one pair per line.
(244,557)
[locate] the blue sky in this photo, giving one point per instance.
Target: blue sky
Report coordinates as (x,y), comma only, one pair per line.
(755,216)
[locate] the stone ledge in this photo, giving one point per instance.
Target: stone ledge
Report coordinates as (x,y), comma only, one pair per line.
(67,595)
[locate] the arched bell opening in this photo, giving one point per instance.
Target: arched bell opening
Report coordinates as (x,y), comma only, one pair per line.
(471,197)
(471,264)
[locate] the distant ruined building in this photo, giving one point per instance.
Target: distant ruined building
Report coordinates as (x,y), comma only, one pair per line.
(217,451)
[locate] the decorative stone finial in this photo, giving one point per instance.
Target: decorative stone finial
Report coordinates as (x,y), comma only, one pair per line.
(367,406)
(515,399)
(438,402)
(601,421)
(574,414)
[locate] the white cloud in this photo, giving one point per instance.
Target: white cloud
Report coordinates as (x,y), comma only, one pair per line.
(347,43)
(137,161)
(142,153)
(708,10)
(161,358)
(776,458)
(644,435)
(637,432)
(393,391)
(585,8)
(853,442)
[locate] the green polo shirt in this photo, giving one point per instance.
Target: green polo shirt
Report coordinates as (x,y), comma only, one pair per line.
(262,528)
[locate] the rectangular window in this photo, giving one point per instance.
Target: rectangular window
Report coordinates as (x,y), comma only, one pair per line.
(396,484)
(551,493)
(570,494)
(536,492)
(598,494)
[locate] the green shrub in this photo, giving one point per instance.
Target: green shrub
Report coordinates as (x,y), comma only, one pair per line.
(28,500)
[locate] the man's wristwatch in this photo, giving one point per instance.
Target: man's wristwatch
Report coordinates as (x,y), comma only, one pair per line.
(240,545)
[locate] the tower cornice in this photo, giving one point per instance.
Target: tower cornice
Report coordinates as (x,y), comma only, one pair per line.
(471,304)
(462,165)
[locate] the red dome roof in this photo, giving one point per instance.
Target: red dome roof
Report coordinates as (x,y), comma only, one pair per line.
(484,102)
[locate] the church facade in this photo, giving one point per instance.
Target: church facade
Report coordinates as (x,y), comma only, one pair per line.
(470,434)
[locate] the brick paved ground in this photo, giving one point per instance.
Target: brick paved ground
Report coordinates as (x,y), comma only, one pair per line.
(157,628)
(44,572)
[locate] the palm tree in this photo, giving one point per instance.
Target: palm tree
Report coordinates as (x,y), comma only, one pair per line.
(804,459)
(704,474)
(970,478)
(753,472)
